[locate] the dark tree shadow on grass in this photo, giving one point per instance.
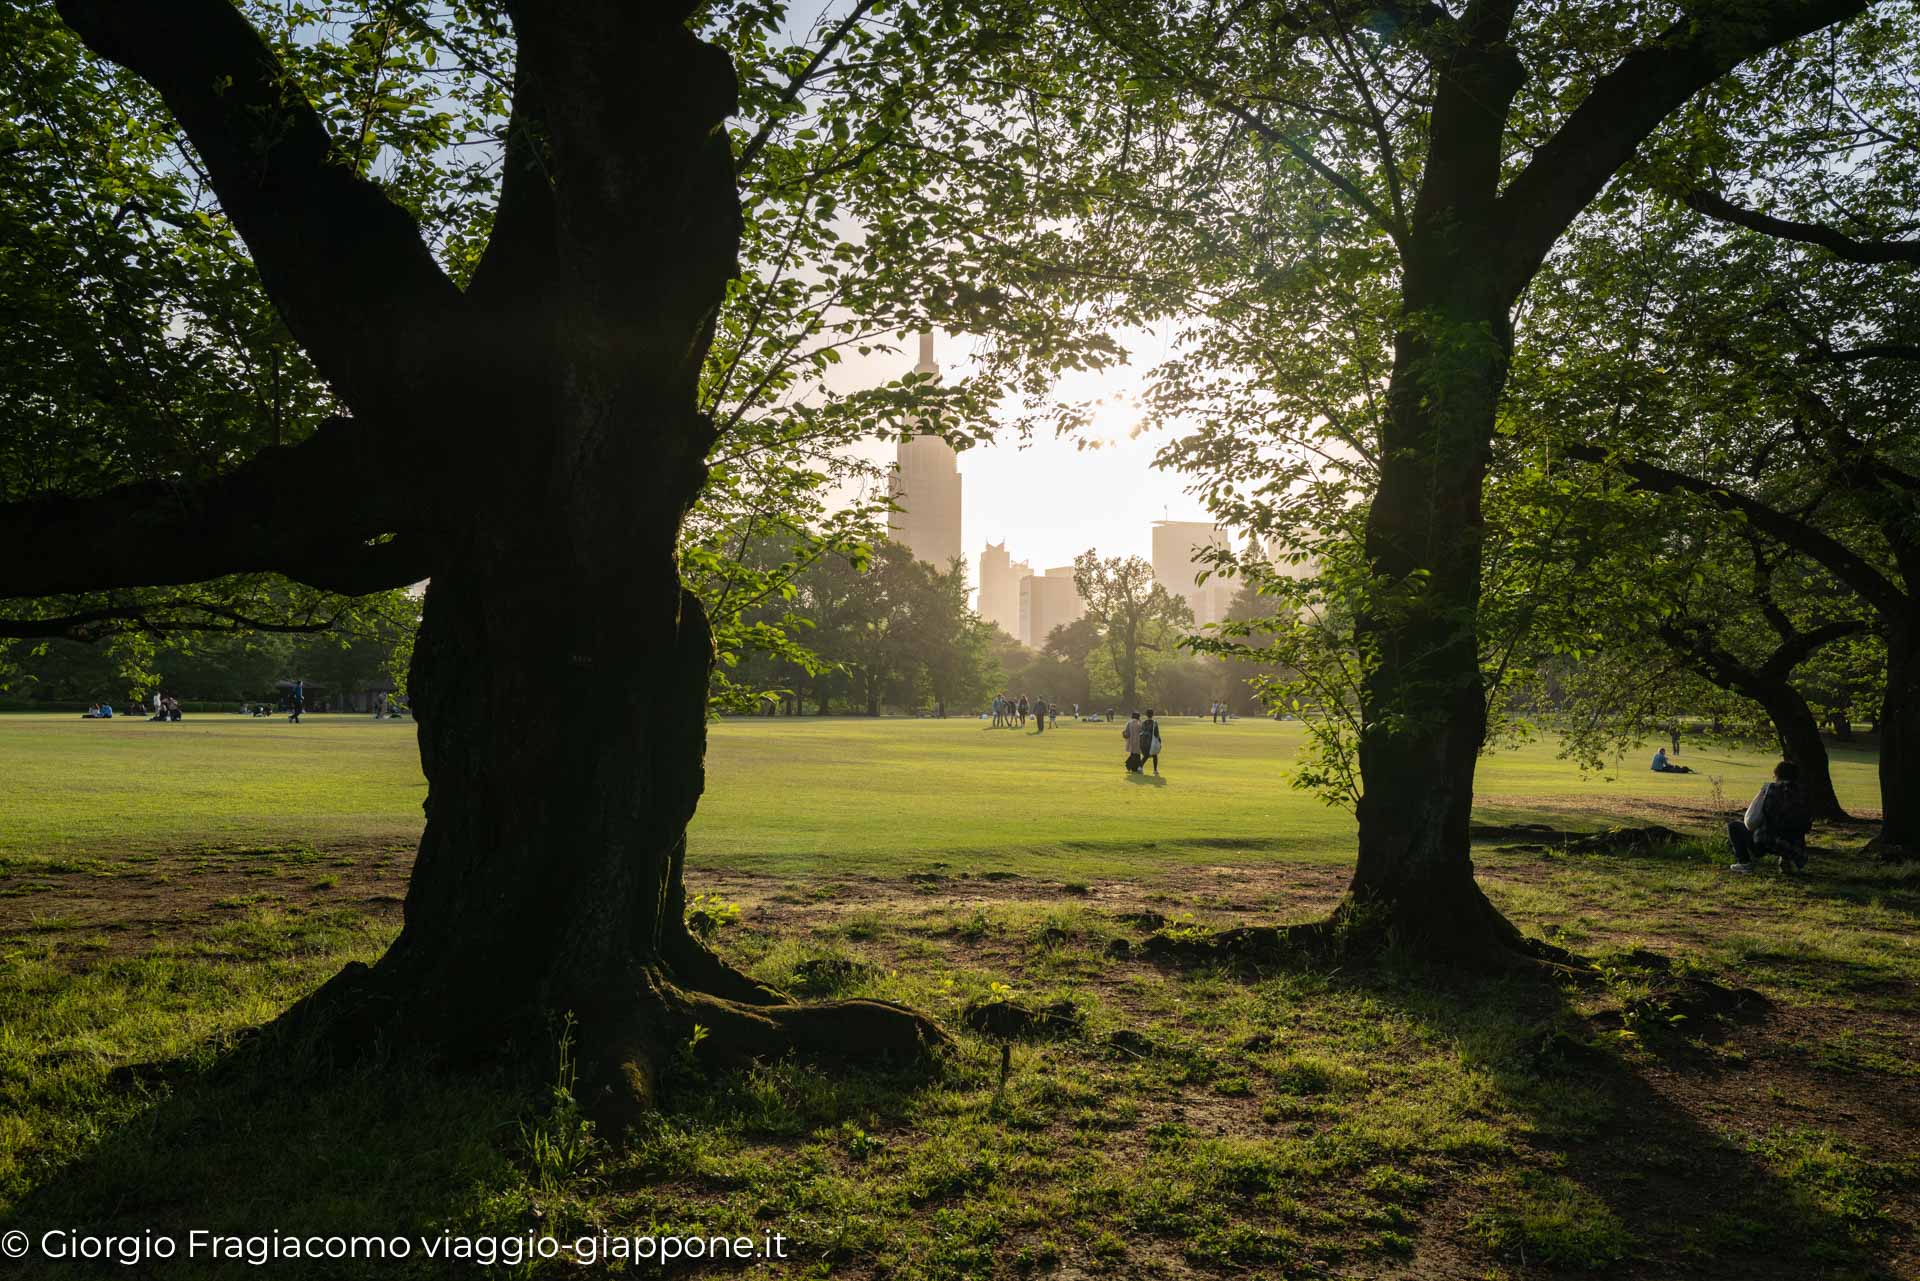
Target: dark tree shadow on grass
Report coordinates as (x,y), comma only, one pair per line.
(1618,1170)
(259,1139)
(262,1139)
(1756,1191)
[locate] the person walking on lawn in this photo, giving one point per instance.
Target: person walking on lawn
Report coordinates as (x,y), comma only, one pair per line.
(1776,822)
(1150,741)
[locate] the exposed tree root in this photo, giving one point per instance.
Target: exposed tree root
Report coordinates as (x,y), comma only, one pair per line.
(695,966)
(1476,937)
(630,1031)
(631,1050)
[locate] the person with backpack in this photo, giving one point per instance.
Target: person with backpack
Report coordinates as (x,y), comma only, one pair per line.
(1131,733)
(1777,822)
(1149,742)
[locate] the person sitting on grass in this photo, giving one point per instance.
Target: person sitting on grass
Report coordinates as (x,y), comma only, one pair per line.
(1777,822)
(1661,765)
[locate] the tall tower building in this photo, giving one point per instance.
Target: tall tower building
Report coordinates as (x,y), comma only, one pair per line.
(1000,577)
(925,487)
(1177,565)
(1048,601)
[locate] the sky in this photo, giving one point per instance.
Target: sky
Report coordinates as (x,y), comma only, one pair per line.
(1048,498)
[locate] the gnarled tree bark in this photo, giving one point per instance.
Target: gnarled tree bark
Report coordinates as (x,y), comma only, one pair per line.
(540,445)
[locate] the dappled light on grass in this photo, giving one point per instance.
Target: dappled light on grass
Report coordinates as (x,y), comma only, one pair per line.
(1194,1122)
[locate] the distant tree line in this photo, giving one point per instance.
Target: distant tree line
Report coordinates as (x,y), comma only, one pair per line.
(865,629)
(348,658)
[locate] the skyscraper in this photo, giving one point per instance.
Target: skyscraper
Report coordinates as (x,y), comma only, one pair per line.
(1000,576)
(1177,545)
(1048,601)
(925,486)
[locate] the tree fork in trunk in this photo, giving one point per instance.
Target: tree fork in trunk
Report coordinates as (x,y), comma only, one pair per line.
(543,425)
(1469,246)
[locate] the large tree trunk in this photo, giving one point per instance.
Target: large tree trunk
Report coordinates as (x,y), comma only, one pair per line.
(1800,740)
(560,677)
(563,753)
(1899,726)
(1424,701)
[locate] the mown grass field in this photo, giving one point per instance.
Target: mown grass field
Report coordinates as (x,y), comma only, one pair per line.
(165,889)
(792,797)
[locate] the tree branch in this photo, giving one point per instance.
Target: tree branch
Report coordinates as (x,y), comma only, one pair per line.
(1838,243)
(263,516)
(1797,648)
(95,624)
(1850,568)
(1629,102)
(793,87)
(1216,96)
(1870,351)
(344,265)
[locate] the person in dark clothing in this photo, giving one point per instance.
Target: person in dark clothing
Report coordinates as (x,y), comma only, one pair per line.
(1039,715)
(298,700)
(1150,742)
(1776,822)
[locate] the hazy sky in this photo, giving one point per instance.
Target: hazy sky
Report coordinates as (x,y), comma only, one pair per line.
(1049,498)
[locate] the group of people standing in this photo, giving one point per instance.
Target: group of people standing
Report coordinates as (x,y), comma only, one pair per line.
(1217,712)
(1143,743)
(1012,713)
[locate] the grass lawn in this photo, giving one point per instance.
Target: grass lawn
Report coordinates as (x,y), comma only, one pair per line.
(165,889)
(791,797)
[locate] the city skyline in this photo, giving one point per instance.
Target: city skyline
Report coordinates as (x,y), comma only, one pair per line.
(1051,498)
(928,491)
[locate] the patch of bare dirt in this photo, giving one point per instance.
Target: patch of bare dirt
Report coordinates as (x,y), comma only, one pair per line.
(170,897)
(1254,892)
